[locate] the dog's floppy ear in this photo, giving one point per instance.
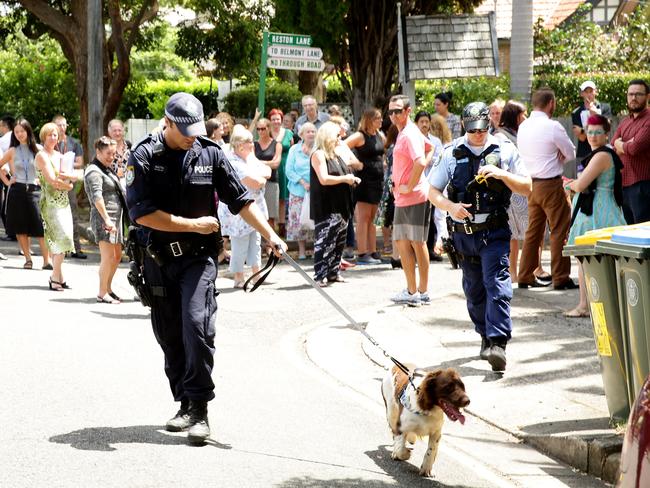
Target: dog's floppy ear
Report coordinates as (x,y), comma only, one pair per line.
(428,394)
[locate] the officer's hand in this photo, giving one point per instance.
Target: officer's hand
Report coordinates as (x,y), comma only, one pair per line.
(492,171)
(206,225)
(459,211)
(278,245)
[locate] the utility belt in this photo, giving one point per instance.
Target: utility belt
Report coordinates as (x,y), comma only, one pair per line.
(493,222)
(163,253)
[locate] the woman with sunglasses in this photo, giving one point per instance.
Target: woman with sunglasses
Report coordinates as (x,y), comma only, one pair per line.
(599,195)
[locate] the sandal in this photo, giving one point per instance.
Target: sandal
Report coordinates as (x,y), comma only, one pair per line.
(107,299)
(238,284)
(114,296)
(48,267)
(55,285)
(337,279)
(321,283)
(577,313)
(28,265)
(544,277)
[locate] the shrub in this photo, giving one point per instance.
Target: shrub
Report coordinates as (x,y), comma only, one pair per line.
(464,91)
(145,100)
(279,94)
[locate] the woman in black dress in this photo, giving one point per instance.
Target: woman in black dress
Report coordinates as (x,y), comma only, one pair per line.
(269,151)
(368,145)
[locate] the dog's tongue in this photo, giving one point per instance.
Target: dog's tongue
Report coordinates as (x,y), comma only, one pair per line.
(452,412)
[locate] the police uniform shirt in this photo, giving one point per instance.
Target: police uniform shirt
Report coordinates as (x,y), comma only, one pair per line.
(180,182)
(444,168)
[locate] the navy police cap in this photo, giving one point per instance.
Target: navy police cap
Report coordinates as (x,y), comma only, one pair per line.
(186,111)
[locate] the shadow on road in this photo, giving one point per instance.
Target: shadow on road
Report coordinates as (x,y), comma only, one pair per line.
(104,438)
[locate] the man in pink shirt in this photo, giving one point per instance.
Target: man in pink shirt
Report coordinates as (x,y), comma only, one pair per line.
(412,209)
(545,147)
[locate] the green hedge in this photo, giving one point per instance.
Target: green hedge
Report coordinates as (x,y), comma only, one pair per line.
(611,88)
(144,100)
(279,94)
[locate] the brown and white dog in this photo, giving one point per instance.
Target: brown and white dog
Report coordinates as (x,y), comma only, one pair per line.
(416,409)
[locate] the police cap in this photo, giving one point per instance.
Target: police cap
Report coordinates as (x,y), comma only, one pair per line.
(476,115)
(186,111)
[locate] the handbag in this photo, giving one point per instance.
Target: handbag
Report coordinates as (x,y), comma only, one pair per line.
(305,220)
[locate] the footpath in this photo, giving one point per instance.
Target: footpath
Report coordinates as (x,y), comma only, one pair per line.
(551,395)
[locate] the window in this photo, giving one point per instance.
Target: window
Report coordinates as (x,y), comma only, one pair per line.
(603,10)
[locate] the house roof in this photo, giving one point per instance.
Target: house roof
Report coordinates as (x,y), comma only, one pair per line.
(457,46)
(553,12)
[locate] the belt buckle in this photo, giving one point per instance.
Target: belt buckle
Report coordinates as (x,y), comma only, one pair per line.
(468,228)
(176,249)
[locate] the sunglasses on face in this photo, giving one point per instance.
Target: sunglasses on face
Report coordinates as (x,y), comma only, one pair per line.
(261,128)
(477,131)
(599,132)
(394,111)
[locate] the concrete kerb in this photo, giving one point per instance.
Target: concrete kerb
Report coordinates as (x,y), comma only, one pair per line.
(551,395)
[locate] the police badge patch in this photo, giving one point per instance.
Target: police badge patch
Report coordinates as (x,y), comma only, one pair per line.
(130,175)
(492,159)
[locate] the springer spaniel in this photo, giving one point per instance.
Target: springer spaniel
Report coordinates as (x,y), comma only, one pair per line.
(415,409)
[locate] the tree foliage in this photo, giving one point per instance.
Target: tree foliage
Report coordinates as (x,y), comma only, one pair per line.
(66,22)
(36,81)
(581,46)
(225,37)
(359,38)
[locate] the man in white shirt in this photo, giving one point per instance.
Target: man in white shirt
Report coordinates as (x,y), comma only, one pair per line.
(545,147)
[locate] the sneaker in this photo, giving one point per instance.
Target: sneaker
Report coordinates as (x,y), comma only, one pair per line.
(485,348)
(376,255)
(78,255)
(199,429)
(497,357)
(181,420)
(406,298)
(367,259)
(425,299)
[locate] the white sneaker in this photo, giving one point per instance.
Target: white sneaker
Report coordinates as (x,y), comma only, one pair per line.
(405,297)
(425,299)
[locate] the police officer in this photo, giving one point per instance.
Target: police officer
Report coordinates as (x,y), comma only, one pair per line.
(480,173)
(174,180)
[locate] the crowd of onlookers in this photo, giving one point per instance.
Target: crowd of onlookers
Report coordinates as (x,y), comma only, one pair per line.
(327,187)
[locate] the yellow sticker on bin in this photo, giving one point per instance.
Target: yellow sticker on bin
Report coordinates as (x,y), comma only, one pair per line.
(600,329)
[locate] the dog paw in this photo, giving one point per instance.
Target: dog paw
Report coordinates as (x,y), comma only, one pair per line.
(425,472)
(401,454)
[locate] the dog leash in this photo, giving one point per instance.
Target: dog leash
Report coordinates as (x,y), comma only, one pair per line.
(273,260)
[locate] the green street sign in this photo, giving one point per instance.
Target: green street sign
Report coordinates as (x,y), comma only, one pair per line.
(289,39)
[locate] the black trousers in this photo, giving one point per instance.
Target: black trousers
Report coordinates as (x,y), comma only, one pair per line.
(636,202)
(184,323)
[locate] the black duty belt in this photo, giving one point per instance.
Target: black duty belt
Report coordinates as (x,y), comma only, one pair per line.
(470,228)
(177,249)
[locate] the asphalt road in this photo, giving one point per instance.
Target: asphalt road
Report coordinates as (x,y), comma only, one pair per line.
(298,404)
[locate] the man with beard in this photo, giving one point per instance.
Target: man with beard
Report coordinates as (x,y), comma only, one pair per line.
(632,144)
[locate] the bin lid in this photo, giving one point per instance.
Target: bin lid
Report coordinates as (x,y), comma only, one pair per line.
(579,250)
(631,243)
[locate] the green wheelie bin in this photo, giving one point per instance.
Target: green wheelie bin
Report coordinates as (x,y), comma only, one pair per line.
(630,250)
(600,278)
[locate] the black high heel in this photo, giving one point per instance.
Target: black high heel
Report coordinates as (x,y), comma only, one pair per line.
(396,263)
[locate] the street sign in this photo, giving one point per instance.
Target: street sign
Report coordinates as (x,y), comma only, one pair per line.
(280,51)
(289,39)
(302,64)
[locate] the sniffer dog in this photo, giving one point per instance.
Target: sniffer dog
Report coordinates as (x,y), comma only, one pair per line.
(415,408)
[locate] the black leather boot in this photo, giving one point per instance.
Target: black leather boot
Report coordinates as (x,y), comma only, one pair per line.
(181,420)
(485,347)
(199,429)
(497,356)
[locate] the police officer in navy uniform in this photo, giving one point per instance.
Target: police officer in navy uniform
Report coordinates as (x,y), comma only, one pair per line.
(480,173)
(175,180)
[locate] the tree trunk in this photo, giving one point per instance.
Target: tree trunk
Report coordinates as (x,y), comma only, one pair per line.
(521,49)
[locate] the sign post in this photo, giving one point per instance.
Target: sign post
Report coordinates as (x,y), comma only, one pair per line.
(287,51)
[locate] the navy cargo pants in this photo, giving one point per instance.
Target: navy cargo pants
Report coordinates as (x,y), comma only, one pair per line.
(486,281)
(184,322)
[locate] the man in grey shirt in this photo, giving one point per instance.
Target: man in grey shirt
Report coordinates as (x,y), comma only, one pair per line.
(70,148)
(310,107)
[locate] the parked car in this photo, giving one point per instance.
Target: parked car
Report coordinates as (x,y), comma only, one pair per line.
(635,458)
